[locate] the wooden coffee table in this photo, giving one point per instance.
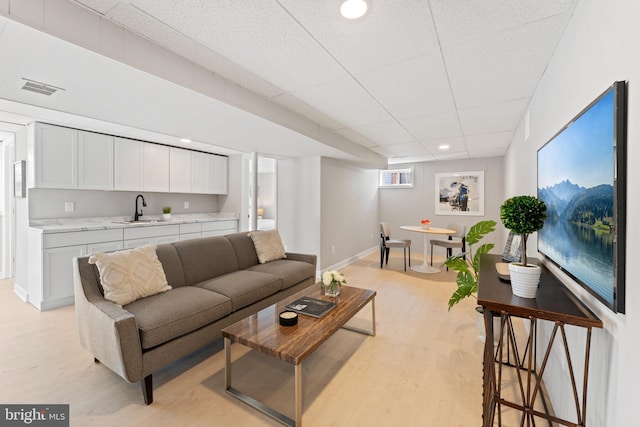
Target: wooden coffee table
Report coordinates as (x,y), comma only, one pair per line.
(293,344)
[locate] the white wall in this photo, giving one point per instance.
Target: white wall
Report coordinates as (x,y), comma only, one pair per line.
(596,50)
(299,204)
(407,206)
(349,206)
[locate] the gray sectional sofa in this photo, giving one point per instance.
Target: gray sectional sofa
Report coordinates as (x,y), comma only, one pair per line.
(215,281)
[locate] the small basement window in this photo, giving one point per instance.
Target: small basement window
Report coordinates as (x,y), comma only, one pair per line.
(396,178)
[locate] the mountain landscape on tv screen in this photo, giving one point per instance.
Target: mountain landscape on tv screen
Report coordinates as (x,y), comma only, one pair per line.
(568,202)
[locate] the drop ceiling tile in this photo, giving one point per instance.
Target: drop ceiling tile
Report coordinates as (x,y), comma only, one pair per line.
(503,66)
(491,152)
(504,116)
(410,88)
(437,126)
(391,31)
(410,149)
(346,100)
(455,145)
(288,57)
(462,20)
(496,140)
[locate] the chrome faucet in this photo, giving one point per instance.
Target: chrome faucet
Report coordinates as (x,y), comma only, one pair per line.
(136,215)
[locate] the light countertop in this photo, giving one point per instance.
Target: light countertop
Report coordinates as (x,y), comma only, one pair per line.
(60,225)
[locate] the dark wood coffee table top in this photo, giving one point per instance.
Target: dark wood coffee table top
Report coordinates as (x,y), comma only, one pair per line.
(262,331)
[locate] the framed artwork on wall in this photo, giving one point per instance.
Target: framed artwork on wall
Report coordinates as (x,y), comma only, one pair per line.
(460,193)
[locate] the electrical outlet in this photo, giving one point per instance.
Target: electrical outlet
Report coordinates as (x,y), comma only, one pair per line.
(333,249)
(69,206)
(186,205)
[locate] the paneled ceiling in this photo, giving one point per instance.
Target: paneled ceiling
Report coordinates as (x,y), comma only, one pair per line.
(409,77)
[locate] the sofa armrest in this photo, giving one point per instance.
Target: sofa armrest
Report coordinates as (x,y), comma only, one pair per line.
(107,330)
(311,259)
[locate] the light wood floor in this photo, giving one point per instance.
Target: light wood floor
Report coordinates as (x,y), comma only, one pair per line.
(424,367)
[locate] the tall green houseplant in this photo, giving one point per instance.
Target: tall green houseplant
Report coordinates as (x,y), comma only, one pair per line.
(523,215)
(467,264)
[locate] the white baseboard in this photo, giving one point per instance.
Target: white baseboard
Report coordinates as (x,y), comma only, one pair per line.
(21,292)
(348,261)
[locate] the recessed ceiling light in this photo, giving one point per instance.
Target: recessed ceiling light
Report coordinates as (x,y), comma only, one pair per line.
(353,9)
(443,147)
(185,140)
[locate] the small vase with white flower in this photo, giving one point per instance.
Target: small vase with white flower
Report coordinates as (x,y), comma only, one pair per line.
(332,280)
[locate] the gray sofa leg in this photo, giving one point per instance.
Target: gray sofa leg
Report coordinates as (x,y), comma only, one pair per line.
(147,389)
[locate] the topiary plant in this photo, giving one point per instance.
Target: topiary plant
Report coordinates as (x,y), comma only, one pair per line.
(523,215)
(467,264)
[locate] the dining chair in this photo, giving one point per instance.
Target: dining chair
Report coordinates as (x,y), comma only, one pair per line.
(457,240)
(386,243)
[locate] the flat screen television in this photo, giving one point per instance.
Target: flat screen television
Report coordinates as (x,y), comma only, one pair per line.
(582,180)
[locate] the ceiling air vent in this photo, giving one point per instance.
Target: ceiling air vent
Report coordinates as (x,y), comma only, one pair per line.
(42,88)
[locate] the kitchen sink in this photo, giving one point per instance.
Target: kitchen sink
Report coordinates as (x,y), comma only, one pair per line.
(140,221)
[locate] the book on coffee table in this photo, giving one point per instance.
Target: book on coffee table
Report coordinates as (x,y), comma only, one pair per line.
(311,306)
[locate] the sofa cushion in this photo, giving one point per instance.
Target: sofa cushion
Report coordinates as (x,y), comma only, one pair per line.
(206,258)
(171,264)
(244,287)
(166,316)
(268,245)
(245,249)
(291,272)
(129,275)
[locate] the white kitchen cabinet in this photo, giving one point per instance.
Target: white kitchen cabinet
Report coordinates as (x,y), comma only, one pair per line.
(179,170)
(55,157)
(50,277)
(201,179)
(95,161)
(190,231)
(219,174)
(151,235)
(127,165)
(155,167)
(219,228)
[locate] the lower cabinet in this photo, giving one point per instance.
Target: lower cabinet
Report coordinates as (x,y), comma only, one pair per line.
(219,228)
(50,276)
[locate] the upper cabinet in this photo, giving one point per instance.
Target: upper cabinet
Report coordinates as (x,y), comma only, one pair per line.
(56,157)
(127,165)
(179,170)
(219,174)
(95,161)
(155,167)
(196,172)
(71,158)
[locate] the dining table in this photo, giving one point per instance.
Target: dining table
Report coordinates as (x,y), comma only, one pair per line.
(425,267)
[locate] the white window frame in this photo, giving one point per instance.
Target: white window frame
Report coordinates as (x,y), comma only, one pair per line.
(386,178)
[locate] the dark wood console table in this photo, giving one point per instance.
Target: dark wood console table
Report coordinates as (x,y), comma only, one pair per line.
(554,303)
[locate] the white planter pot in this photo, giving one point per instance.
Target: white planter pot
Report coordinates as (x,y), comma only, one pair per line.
(166,217)
(524,279)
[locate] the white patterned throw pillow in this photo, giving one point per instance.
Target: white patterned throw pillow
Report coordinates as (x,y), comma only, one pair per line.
(268,245)
(130,275)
